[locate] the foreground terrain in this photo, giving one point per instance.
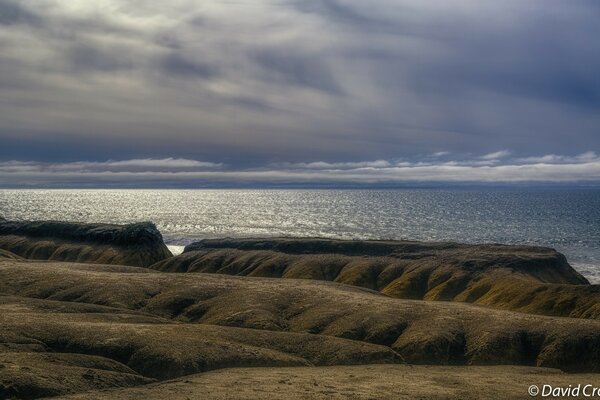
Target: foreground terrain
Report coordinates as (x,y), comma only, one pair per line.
(363,382)
(529,279)
(363,320)
(74,328)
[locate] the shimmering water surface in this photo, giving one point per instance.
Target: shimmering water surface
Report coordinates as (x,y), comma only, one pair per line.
(568,220)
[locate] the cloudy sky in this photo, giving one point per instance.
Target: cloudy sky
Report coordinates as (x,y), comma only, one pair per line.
(197,93)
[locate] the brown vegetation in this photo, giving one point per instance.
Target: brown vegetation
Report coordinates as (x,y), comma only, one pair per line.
(365,382)
(136,244)
(417,331)
(82,329)
(520,278)
(8,255)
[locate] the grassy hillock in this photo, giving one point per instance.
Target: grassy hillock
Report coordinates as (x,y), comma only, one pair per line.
(136,244)
(520,278)
(418,332)
(89,330)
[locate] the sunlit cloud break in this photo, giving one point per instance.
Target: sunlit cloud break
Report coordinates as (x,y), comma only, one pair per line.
(496,155)
(183,172)
(140,165)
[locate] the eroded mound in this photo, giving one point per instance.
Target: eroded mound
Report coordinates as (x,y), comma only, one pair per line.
(56,347)
(418,331)
(25,375)
(136,244)
(521,278)
(8,255)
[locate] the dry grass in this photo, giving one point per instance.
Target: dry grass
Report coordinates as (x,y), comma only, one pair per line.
(110,331)
(8,255)
(367,382)
(419,331)
(520,278)
(136,244)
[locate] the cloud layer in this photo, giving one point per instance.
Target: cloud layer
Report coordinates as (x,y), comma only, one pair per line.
(261,82)
(584,168)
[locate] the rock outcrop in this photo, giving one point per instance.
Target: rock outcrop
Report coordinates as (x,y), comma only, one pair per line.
(521,278)
(29,375)
(136,244)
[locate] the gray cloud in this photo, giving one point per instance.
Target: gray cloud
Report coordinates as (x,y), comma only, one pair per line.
(271,82)
(303,70)
(557,159)
(178,65)
(496,155)
(12,12)
(87,58)
(85,167)
(184,172)
(339,165)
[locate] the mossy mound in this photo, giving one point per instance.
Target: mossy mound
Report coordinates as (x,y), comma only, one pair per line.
(521,278)
(4,254)
(281,315)
(27,375)
(136,244)
(87,346)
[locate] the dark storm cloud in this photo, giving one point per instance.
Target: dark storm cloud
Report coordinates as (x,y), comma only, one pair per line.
(271,82)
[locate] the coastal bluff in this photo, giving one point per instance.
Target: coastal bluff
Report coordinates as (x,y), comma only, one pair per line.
(529,279)
(84,329)
(139,244)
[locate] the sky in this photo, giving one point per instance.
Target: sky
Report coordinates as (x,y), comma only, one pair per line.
(298,92)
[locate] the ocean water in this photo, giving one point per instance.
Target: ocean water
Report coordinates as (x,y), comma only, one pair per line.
(568,220)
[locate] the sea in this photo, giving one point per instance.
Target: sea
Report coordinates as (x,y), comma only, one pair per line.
(565,219)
